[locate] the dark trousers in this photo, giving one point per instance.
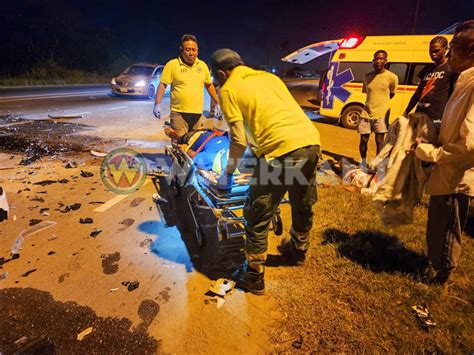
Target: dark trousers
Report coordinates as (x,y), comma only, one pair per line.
(447,217)
(266,193)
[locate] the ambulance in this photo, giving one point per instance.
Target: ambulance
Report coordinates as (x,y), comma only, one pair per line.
(351,58)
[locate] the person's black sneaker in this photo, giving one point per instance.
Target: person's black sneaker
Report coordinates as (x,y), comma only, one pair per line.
(293,255)
(249,279)
(441,277)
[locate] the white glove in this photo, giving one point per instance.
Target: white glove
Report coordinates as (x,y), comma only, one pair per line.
(157,110)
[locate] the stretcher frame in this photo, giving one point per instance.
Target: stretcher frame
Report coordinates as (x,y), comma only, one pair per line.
(224,207)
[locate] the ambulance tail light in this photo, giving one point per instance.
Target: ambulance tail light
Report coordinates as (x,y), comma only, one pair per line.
(351,42)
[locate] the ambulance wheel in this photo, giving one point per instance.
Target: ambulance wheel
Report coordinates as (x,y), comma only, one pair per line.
(351,116)
(151,92)
(277,224)
(200,237)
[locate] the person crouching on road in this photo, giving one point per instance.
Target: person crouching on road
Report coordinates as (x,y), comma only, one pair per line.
(451,183)
(259,108)
(380,86)
(187,76)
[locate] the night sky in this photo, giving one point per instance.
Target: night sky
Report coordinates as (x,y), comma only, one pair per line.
(101,34)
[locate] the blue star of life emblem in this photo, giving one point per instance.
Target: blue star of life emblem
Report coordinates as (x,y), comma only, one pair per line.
(334,85)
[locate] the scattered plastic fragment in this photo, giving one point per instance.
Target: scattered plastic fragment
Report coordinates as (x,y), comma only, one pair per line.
(3,276)
(133,285)
(53,237)
(66,209)
(114,289)
(86,220)
(95,232)
(26,274)
(51,252)
(71,165)
(28,232)
(84,333)
(222,286)
(424,317)
(86,174)
(21,340)
(99,154)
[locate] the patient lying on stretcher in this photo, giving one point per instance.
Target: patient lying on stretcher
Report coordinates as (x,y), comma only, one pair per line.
(209,150)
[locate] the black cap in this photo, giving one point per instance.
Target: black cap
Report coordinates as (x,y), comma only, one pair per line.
(225,59)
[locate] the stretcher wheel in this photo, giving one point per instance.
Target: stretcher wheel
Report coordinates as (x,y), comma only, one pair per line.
(222,231)
(277,224)
(200,237)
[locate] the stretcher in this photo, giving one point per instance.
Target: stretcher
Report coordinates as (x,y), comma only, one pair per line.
(226,205)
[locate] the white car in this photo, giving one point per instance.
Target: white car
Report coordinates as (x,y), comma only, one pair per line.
(138,80)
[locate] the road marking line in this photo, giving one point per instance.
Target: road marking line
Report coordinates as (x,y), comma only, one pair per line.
(115,200)
(49,96)
(116,108)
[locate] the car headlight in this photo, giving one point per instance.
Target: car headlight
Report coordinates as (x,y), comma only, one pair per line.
(113,81)
(140,83)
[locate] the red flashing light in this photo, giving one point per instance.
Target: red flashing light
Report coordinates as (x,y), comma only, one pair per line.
(351,42)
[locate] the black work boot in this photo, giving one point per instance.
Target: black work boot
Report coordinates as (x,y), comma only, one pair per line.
(441,277)
(249,279)
(293,255)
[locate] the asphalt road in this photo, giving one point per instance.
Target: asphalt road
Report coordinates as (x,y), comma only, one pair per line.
(67,281)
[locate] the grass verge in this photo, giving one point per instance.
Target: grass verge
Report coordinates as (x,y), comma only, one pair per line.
(356,289)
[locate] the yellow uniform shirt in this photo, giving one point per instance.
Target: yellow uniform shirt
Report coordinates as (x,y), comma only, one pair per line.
(272,118)
(187,84)
(378,88)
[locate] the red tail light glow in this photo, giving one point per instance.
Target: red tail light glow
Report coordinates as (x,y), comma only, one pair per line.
(351,42)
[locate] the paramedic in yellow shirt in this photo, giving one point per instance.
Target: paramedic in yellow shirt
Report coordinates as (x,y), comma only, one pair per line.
(259,109)
(187,76)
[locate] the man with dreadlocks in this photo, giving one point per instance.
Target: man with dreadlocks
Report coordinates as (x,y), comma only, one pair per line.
(436,83)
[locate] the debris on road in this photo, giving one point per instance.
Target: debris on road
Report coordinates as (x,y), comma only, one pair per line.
(37,199)
(4,208)
(43,212)
(114,289)
(86,174)
(96,203)
(26,274)
(51,252)
(3,276)
(66,209)
(133,285)
(424,317)
(28,232)
(86,220)
(70,165)
(34,222)
(21,340)
(98,153)
(65,116)
(95,232)
(84,333)
(222,286)
(219,301)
